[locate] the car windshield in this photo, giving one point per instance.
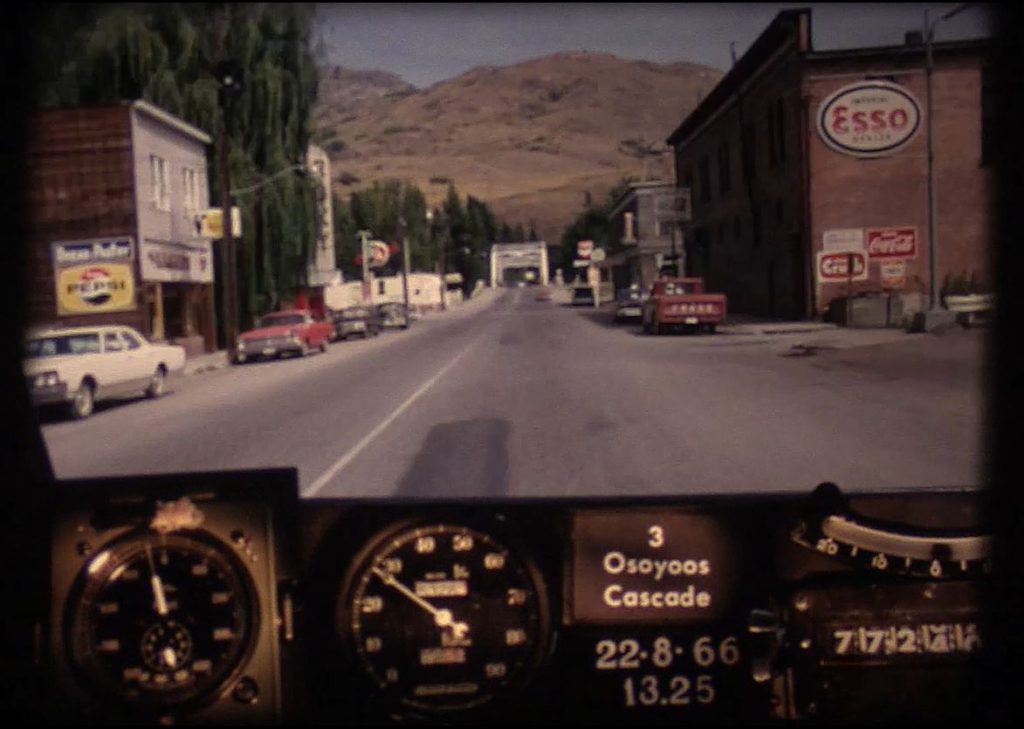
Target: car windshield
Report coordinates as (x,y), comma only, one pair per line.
(62,344)
(280,320)
(779,156)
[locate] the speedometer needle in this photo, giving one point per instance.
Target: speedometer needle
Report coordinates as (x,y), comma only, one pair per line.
(442,617)
(158,585)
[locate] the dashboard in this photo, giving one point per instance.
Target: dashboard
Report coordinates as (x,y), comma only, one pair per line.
(223,598)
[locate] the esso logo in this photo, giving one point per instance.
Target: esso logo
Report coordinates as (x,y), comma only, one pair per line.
(869,119)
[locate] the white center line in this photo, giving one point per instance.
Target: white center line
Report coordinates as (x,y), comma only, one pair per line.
(372,435)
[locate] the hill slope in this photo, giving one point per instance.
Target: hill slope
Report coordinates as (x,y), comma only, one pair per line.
(528,139)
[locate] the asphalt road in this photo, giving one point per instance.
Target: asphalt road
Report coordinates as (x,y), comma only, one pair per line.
(511,396)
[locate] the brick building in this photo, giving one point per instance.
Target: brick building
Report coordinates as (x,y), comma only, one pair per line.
(113,192)
(788,180)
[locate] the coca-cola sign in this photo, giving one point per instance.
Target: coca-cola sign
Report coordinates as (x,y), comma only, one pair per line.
(869,118)
(835,266)
(892,243)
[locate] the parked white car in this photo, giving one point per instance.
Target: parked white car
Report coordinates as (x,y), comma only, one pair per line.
(80,366)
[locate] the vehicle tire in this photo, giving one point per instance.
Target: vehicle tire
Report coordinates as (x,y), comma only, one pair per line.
(157,383)
(304,352)
(711,328)
(656,328)
(84,403)
(323,346)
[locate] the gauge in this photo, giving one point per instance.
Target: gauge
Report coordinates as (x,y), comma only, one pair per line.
(161,620)
(831,529)
(445,617)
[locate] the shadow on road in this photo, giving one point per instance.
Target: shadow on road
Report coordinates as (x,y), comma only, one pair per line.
(464,458)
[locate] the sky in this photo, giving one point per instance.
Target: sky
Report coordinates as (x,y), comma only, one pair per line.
(427,43)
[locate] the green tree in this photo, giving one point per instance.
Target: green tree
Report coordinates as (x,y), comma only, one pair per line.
(164,53)
(591,224)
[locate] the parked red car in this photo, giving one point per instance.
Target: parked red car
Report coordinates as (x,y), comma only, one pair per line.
(682,302)
(295,331)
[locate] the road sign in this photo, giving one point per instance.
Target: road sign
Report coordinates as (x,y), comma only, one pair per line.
(833,266)
(577,263)
(598,255)
(584,248)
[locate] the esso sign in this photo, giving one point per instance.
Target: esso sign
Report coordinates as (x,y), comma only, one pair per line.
(835,266)
(869,119)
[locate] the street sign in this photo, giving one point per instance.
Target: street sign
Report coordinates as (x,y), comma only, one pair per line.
(207,223)
(584,248)
(598,255)
(833,266)
(577,263)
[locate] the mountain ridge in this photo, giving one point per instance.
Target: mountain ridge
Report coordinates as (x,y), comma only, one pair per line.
(530,139)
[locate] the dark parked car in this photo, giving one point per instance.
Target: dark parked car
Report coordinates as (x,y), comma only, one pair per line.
(629,305)
(394,315)
(364,320)
(583,296)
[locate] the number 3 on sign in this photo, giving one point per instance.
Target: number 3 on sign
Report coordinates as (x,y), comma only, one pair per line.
(657,536)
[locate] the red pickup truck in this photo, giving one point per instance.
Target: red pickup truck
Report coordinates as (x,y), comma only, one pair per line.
(682,302)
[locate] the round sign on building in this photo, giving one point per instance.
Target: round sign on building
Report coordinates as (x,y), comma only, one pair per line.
(869,119)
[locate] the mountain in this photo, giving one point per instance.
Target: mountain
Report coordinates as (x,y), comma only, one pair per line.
(529,139)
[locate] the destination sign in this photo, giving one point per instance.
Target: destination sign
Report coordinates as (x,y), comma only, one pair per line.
(651,566)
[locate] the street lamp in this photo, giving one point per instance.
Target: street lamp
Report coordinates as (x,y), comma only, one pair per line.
(934,315)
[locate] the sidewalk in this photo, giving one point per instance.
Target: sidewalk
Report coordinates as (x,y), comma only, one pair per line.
(206,362)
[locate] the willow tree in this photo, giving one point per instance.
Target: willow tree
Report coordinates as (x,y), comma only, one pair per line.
(164,53)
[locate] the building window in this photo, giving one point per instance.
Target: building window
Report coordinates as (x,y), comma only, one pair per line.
(380,287)
(190,188)
(988,115)
(704,172)
(158,182)
(724,176)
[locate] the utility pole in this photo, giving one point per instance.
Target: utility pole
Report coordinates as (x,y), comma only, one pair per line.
(934,316)
(229,79)
(405,267)
(364,236)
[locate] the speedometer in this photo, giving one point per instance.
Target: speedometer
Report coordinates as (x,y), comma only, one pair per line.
(445,617)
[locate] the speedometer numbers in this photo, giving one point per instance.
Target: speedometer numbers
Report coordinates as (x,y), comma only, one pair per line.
(444,617)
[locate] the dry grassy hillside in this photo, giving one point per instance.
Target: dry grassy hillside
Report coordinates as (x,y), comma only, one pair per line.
(528,139)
